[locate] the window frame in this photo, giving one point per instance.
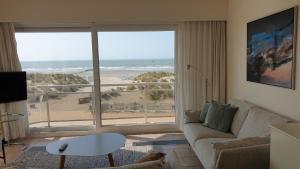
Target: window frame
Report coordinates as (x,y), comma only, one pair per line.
(94,29)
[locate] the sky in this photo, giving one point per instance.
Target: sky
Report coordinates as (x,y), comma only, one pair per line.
(112,45)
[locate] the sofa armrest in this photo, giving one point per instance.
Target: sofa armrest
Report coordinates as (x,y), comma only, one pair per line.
(191,116)
(252,157)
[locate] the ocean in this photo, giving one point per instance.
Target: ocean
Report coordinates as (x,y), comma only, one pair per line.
(105,65)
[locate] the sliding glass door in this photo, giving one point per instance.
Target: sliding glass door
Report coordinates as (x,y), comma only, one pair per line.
(60,79)
(137,77)
(90,79)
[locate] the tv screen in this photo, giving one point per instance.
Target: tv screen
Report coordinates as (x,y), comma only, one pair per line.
(13,86)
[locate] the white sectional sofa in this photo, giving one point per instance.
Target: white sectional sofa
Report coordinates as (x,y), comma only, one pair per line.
(249,121)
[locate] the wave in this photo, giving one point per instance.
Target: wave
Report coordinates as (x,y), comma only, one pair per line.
(49,69)
(105,68)
(140,68)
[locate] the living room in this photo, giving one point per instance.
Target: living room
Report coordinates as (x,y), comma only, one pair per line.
(125,83)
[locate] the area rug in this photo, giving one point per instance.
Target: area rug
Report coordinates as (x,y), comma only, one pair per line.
(38,157)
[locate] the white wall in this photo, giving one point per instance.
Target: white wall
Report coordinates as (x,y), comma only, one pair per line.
(280,100)
(111,10)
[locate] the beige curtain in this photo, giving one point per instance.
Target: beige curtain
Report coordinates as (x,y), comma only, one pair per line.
(202,45)
(9,62)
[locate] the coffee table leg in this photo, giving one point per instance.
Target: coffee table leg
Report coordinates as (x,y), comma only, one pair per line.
(111,160)
(61,164)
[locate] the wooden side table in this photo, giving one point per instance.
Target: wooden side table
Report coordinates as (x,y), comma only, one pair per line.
(7,118)
(3,151)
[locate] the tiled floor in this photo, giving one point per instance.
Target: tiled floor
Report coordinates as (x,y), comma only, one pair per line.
(13,151)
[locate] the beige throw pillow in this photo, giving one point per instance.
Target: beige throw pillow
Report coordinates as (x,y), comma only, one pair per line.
(158,164)
(151,156)
(192,116)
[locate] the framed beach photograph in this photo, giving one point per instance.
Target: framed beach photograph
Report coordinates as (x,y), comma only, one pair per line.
(271,49)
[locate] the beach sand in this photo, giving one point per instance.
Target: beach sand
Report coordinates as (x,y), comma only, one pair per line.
(112,77)
(68,108)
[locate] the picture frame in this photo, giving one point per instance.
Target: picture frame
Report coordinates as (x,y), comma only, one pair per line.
(271,49)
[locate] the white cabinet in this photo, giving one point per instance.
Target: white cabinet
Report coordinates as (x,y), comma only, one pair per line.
(285,146)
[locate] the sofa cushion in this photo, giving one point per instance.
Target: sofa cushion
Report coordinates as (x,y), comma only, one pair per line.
(240,115)
(205,151)
(192,116)
(258,121)
(151,156)
(195,131)
(157,164)
(204,111)
(219,116)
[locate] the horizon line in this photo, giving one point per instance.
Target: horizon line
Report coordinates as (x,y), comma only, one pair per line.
(92,60)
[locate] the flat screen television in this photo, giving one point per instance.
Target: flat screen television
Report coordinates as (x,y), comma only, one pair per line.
(13,86)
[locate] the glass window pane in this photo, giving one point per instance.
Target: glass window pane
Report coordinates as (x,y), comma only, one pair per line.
(137,77)
(59,76)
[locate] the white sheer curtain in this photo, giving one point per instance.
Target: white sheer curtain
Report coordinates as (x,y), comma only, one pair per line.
(202,45)
(9,62)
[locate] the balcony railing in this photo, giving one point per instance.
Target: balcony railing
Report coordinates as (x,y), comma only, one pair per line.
(120,103)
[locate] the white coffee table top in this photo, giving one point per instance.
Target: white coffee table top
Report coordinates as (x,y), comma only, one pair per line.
(91,145)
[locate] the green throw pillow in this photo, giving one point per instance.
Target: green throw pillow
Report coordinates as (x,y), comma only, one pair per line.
(204,111)
(220,116)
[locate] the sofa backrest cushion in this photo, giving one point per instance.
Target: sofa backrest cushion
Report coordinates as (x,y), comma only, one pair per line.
(220,116)
(240,115)
(204,111)
(258,121)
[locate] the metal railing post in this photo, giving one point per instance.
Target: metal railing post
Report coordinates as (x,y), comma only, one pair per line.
(145,103)
(47,106)
(93,105)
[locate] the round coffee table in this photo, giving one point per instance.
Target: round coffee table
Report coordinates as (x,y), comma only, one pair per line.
(91,145)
